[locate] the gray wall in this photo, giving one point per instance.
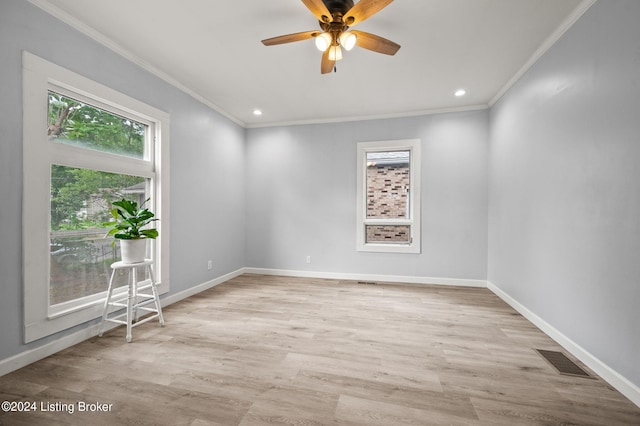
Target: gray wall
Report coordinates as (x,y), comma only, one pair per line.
(558,156)
(564,233)
(207,154)
(301,196)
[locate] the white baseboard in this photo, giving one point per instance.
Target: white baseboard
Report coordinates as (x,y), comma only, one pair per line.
(616,380)
(32,355)
(173,298)
(368,277)
(611,376)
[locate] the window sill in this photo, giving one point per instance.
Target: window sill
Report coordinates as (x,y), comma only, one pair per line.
(389,248)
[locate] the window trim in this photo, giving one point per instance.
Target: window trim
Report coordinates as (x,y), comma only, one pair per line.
(40,76)
(413,146)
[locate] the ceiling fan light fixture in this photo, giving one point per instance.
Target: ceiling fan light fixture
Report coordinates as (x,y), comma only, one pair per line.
(323,41)
(335,53)
(348,40)
(336,17)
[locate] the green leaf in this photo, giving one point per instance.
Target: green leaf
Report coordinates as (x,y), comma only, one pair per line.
(130,219)
(111,232)
(149,233)
(124,237)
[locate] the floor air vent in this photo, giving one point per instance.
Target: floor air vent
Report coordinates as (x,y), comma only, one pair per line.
(368,282)
(563,364)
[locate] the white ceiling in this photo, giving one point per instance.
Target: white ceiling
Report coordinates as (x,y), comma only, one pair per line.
(212,50)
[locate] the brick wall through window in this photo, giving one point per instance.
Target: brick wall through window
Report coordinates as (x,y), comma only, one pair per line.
(388,198)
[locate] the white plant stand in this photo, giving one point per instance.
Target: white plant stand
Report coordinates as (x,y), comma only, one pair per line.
(134,301)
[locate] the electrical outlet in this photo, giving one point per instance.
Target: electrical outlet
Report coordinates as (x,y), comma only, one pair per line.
(210,265)
(308,259)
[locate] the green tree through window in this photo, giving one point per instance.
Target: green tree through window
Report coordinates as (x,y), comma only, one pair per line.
(76,123)
(72,189)
(81,197)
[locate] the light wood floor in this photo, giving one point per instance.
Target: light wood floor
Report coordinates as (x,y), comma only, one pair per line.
(261,350)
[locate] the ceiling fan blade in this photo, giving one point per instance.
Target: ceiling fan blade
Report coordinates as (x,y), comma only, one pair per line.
(364,9)
(289,38)
(319,10)
(327,64)
(375,43)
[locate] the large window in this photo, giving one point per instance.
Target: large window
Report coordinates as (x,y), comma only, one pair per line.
(388,206)
(85,146)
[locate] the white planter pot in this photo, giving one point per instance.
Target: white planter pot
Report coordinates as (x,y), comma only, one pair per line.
(133,251)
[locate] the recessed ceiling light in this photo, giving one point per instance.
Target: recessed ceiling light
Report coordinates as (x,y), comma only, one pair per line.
(257,112)
(460,92)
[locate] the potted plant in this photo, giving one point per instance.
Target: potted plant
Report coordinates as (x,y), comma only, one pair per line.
(130,218)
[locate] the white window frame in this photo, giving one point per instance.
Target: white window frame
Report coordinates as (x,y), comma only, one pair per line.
(40,76)
(413,146)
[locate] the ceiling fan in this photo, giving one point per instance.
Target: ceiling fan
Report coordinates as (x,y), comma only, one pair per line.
(335,18)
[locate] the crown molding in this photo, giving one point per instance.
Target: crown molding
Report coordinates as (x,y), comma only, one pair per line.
(369,117)
(544,47)
(115,47)
(125,53)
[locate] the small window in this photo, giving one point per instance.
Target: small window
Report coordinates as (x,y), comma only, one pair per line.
(388,196)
